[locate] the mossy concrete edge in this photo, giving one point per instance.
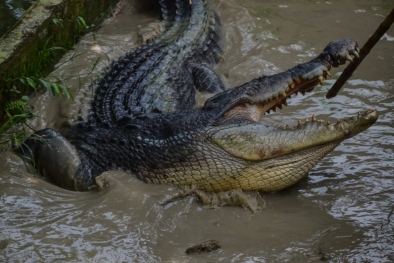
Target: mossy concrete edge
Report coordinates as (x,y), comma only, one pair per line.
(46,24)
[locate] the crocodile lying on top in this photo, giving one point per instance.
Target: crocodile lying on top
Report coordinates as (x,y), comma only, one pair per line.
(142,117)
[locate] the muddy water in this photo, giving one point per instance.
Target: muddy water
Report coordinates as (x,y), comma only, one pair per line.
(342,213)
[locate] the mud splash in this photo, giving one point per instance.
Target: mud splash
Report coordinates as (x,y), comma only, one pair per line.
(342,212)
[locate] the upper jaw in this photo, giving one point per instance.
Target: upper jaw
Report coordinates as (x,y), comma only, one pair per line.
(254,99)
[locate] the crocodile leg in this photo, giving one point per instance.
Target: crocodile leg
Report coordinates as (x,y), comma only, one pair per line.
(205,79)
(53,156)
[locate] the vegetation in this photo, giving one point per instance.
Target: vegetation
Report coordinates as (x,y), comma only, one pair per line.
(15,128)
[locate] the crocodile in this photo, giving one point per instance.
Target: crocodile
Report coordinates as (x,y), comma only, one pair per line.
(142,117)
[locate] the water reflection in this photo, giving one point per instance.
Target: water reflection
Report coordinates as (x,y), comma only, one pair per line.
(343,211)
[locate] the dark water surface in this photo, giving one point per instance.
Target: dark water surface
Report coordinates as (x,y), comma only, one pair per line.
(343,212)
(11,11)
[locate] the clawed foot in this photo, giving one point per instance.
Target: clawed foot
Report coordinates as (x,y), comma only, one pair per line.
(235,197)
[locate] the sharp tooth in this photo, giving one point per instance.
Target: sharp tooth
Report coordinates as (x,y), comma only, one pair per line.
(314,118)
(299,122)
(338,121)
(328,123)
(328,73)
(354,53)
(306,119)
(284,94)
(321,80)
(349,58)
(292,85)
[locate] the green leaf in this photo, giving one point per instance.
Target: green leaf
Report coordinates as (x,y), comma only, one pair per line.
(55,89)
(32,83)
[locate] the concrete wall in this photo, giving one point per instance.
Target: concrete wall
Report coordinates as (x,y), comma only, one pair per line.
(47,23)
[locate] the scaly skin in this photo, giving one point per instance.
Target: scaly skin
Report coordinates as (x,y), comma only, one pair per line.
(142,117)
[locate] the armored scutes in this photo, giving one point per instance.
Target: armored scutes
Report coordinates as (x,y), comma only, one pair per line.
(142,117)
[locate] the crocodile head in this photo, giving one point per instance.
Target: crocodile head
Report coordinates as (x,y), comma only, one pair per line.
(272,158)
(234,149)
(277,157)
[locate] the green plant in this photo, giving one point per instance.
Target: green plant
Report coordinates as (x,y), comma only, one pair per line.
(81,24)
(58,21)
(56,87)
(14,128)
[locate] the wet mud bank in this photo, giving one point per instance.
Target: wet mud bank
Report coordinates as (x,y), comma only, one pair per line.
(41,36)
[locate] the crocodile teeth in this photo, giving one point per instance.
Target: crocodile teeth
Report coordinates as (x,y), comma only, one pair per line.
(349,58)
(299,122)
(314,118)
(321,80)
(354,53)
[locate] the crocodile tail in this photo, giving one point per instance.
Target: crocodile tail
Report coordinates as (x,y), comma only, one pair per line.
(168,10)
(211,48)
(192,32)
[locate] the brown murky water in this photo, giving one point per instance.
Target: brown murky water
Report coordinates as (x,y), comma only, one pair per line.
(342,213)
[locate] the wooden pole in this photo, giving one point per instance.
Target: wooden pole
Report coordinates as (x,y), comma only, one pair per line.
(347,73)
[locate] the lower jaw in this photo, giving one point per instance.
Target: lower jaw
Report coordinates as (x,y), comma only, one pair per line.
(273,174)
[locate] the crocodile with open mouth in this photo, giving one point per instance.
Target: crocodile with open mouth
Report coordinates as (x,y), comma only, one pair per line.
(142,117)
